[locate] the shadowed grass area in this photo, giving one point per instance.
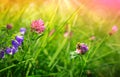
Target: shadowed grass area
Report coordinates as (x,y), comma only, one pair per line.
(49,55)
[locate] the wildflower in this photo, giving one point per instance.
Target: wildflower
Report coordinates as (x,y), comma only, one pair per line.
(11,51)
(114,30)
(9,26)
(19,39)
(14,50)
(15,43)
(92,38)
(67,34)
(8,51)
(22,31)
(81,48)
(38,26)
(2,54)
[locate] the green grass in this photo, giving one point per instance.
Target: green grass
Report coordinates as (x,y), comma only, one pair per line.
(49,56)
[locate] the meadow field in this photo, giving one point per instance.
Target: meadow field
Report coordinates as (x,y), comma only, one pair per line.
(57,38)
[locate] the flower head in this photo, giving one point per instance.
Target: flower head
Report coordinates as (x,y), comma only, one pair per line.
(14,50)
(15,43)
(11,50)
(38,26)
(19,39)
(8,51)
(114,30)
(9,26)
(68,34)
(2,54)
(22,30)
(92,38)
(81,48)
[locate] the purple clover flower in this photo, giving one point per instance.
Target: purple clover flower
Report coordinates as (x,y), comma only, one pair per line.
(22,31)
(81,48)
(84,48)
(2,54)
